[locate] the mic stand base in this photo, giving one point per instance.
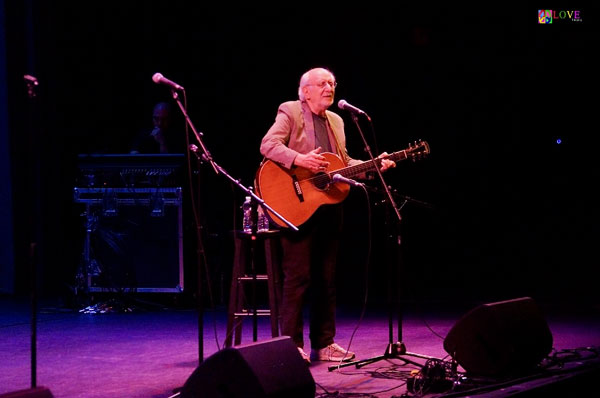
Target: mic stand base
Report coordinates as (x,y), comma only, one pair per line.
(392,351)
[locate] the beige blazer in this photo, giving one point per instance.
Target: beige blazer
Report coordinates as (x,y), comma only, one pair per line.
(293,132)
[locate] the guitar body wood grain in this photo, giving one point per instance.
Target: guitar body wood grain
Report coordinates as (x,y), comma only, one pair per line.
(297,193)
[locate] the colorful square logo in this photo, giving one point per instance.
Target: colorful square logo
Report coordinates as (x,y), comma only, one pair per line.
(544,16)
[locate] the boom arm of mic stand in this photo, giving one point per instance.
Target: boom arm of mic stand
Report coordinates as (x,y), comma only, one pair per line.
(265,205)
(205,154)
(208,158)
(248,191)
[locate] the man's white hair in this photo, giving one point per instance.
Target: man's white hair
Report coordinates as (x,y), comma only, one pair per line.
(304,81)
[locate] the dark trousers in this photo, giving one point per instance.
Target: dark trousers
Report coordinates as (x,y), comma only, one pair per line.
(308,263)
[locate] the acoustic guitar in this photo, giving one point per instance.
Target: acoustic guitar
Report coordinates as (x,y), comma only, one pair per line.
(297,193)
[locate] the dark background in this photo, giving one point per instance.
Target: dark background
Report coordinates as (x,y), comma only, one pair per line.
(510,212)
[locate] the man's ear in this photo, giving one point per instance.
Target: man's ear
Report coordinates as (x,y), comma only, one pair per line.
(305,92)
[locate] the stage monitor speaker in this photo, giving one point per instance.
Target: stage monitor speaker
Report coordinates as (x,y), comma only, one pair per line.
(137,251)
(268,369)
(500,339)
(37,392)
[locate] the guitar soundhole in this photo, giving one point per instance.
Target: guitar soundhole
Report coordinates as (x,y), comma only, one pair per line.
(321,181)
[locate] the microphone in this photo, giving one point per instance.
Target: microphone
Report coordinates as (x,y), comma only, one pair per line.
(31,79)
(158,78)
(339,178)
(342,104)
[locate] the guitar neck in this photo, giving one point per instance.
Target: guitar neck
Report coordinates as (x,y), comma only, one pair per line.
(369,165)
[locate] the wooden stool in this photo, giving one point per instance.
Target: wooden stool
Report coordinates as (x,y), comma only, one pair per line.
(247,262)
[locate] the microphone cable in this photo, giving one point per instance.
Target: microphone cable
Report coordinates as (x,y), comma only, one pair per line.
(367,269)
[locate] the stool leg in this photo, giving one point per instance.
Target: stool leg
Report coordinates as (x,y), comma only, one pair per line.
(239,319)
(233,322)
(272,264)
(253,304)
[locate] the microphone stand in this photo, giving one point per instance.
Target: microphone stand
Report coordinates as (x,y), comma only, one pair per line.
(35,235)
(394,349)
(200,252)
(206,156)
(203,154)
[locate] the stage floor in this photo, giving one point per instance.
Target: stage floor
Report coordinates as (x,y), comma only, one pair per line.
(151,352)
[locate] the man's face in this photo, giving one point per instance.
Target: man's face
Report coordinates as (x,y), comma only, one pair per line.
(320,90)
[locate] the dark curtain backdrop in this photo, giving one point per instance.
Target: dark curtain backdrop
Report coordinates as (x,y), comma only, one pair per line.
(509,211)
(6,228)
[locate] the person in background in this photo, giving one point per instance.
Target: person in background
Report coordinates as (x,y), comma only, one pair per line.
(161,138)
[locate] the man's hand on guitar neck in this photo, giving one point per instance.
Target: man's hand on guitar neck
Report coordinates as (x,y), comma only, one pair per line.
(385,163)
(312,161)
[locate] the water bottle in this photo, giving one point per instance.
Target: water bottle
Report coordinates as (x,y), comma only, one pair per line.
(247,215)
(262,225)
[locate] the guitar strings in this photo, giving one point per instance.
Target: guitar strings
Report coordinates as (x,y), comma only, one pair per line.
(322,179)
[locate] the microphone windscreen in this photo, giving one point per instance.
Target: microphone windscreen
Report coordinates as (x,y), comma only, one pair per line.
(156,78)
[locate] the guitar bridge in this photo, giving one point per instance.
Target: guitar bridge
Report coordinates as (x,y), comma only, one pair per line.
(297,188)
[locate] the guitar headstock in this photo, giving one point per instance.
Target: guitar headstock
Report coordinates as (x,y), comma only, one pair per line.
(418,150)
